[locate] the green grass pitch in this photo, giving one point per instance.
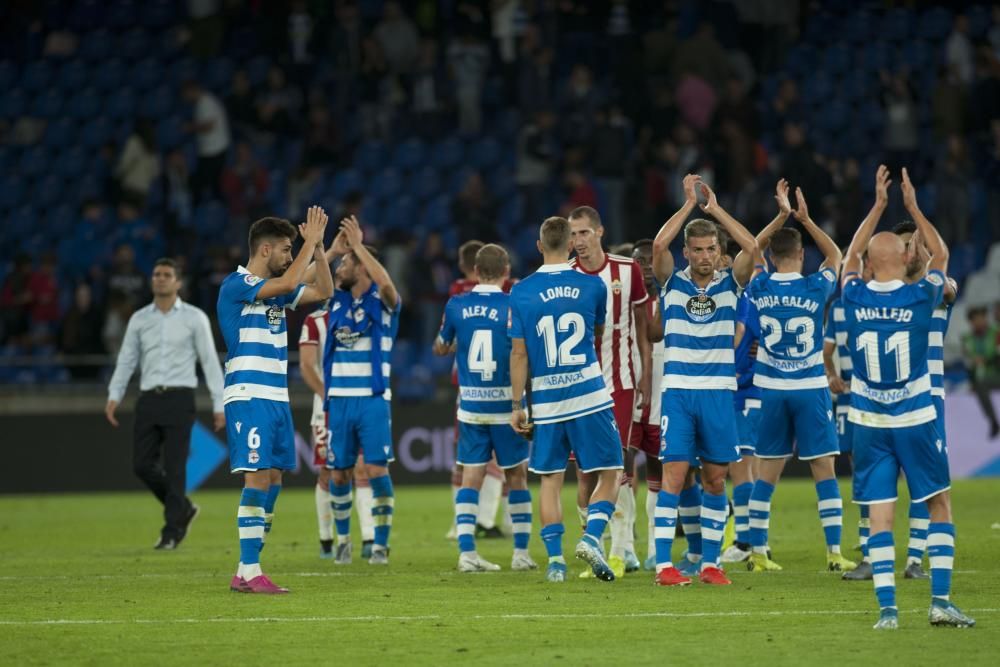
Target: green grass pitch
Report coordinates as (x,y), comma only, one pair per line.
(80,584)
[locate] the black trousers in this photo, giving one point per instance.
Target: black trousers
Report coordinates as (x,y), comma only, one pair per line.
(161,444)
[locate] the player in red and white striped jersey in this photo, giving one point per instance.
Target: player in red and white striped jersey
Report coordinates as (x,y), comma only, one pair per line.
(494,486)
(625,315)
(311,344)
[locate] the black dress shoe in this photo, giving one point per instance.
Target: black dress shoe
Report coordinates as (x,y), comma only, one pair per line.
(189,518)
(166,544)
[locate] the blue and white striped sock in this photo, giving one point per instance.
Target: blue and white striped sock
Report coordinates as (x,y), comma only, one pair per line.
(760,515)
(831,512)
(882,553)
(250,523)
(383,502)
(864,528)
(665,526)
(269,503)
(519,504)
(920,520)
(941,553)
(552,535)
(714,512)
(741,511)
(340,500)
(598,515)
(689,511)
(466,511)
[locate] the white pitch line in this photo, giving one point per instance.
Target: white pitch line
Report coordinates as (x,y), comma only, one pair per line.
(475,617)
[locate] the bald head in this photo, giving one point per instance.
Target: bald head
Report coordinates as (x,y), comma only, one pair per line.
(887,257)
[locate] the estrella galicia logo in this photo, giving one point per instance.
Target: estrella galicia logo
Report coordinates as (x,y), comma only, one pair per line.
(346,337)
(275,316)
(701,307)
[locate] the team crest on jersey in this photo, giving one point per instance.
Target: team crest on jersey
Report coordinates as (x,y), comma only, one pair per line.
(935,279)
(700,307)
(616,286)
(275,315)
(359,315)
(346,337)
(254,457)
(336,307)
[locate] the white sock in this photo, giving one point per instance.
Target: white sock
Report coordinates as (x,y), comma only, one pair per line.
(627,496)
(621,530)
(363,501)
(489,501)
(249,572)
(582,513)
(508,521)
(324,513)
(650,513)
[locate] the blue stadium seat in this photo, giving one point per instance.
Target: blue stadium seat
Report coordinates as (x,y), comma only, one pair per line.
(61,219)
(370,156)
(424,183)
(120,104)
(49,191)
(257,70)
(979,21)
(158,14)
(835,116)
(802,60)
(409,154)
(96,133)
(8,74)
(897,25)
(371,213)
(399,213)
(821,28)
(218,74)
(877,56)
(935,24)
(918,56)
(21,221)
(72,162)
(11,191)
(183,70)
(210,219)
(485,153)
(8,158)
(437,214)
(13,103)
(48,104)
(96,46)
(109,76)
(170,132)
(500,182)
(121,15)
(88,14)
(158,103)
(458,179)
(73,75)
(386,183)
(134,44)
(837,59)
(448,153)
(857,28)
(146,73)
(36,76)
(166,46)
(34,161)
(345,181)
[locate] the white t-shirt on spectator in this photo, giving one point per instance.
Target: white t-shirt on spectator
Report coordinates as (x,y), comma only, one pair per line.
(216,140)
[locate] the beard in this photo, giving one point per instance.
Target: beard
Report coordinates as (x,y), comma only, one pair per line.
(346,284)
(279,270)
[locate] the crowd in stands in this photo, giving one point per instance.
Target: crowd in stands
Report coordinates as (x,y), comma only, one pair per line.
(133,130)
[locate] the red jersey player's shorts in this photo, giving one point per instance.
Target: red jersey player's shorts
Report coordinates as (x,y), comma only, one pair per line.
(645,438)
(320,437)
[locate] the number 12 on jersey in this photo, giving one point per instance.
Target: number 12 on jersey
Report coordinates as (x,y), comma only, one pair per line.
(563,353)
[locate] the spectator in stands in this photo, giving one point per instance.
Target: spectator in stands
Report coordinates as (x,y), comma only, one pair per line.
(241,103)
(800,159)
(607,157)
(702,55)
(398,38)
(580,192)
(278,105)
(211,129)
(536,73)
(178,198)
(15,302)
(81,333)
(902,123)
(375,91)
(345,39)
(136,232)
(207,27)
(138,164)
(958,49)
(435,269)
(536,153)
(44,306)
(300,34)
(474,211)
(981,345)
(429,97)
(848,200)
(469,61)
(954,207)
(125,279)
(87,246)
(735,106)
(244,184)
(579,102)
(949,103)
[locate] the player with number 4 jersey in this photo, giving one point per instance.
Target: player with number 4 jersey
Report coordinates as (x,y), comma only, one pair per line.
(476,325)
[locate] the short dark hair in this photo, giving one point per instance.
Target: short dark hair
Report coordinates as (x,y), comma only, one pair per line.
(588,212)
(372,250)
(168,261)
(905,227)
(555,233)
(642,243)
(785,243)
(270,228)
(700,228)
(467,254)
(492,261)
(733,248)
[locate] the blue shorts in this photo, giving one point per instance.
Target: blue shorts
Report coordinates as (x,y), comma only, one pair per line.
(880,453)
(747,423)
(799,421)
(699,424)
(260,435)
(478,442)
(845,428)
(358,423)
(592,438)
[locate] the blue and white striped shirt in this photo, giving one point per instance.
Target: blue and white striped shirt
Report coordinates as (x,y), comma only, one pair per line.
(256,336)
(351,364)
(889,326)
(477,320)
(554,311)
(935,348)
(836,333)
(698,330)
(790,356)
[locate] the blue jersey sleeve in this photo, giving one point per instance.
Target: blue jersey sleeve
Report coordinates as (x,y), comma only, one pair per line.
(830,329)
(291,300)
(601,310)
(447,333)
(827,281)
(933,286)
(241,290)
(514,326)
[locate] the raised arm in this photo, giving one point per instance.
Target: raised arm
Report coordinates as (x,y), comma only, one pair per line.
(852,263)
(935,244)
(312,236)
(663,260)
(354,237)
(743,264)
(831,253)
(784,210)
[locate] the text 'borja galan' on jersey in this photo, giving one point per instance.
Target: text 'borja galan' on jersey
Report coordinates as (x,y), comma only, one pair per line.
(888,328)
(477,323)
(698,329)
(314,331)
(256,336)
(554,311)
(791,308)
(626,289)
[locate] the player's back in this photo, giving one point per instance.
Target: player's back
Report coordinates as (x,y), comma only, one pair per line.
(555,311)
(790,307)
(889,325)
(479,321)
(747,314)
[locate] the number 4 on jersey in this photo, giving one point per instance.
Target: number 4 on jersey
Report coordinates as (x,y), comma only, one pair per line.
(481,359)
